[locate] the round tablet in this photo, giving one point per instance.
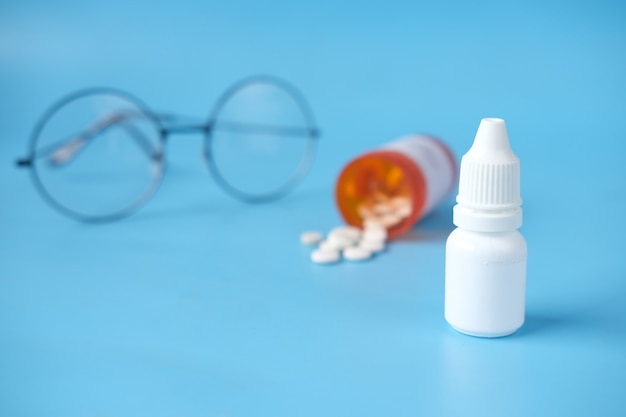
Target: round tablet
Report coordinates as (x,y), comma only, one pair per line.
(356,253)
(400,202)
(352,233)
(404,211)
(366,212)
(339,240)
(311,238)
(320,256)
(372,245)
(390,219)
(373,222)
(327,245)
(383,208)
(375,233)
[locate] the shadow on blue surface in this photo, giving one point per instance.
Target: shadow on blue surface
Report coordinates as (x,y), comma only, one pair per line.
(435,227)
(539,324)
(574,325)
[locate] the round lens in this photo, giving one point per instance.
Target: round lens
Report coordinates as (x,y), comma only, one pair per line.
(97,155)
(262,139)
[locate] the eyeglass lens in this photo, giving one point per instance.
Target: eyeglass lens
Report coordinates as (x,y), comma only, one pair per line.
(98,155)
(261,140)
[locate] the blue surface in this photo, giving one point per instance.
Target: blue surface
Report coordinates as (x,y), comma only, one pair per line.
(203,306)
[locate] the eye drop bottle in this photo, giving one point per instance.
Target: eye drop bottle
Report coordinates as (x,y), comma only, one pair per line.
(485,278)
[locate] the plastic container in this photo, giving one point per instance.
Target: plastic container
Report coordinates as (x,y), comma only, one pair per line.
(397,184)
(486,256)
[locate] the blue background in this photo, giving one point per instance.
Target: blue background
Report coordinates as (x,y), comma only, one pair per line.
(200,305)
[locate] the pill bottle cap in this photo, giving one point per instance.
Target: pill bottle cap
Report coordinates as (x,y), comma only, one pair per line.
(489,182)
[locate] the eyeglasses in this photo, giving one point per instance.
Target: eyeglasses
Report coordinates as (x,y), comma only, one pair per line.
(98,154)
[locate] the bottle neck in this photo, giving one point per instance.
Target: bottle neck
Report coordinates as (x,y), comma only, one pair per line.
(487,220)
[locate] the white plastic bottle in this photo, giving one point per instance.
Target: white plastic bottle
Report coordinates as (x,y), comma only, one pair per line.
(486,256)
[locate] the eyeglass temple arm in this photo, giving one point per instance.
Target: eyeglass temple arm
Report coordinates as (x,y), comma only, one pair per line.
(64,151)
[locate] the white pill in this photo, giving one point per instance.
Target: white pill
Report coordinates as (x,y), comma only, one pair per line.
(328,246)
(402,206)
(320,256)
(335,244)
(352,233)
(400,202)
(372,245)
(356,253)
(372,223)
(390,220)
(383,208)
(339,241)
(311,238)
(365,212)
(404,211)
(375,233)
(377,224)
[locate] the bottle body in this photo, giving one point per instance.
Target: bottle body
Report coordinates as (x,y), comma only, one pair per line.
(485,282)
(396,184)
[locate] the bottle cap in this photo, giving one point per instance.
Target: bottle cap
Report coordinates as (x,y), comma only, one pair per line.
(489,182)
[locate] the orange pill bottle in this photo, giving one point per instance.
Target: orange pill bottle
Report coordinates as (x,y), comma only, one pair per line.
(397,184)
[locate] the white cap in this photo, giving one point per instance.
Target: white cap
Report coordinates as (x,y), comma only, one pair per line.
(489,183)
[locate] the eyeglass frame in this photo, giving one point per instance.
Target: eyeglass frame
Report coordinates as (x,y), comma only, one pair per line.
(164,132)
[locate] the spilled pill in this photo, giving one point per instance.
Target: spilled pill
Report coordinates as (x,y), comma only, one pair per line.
(339,241)
(375,233)
(390,219)
(374,246)
(350,232)
(404,211)
(329,245)
(321,256)
(356,253)
(311,238)
(351,243)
